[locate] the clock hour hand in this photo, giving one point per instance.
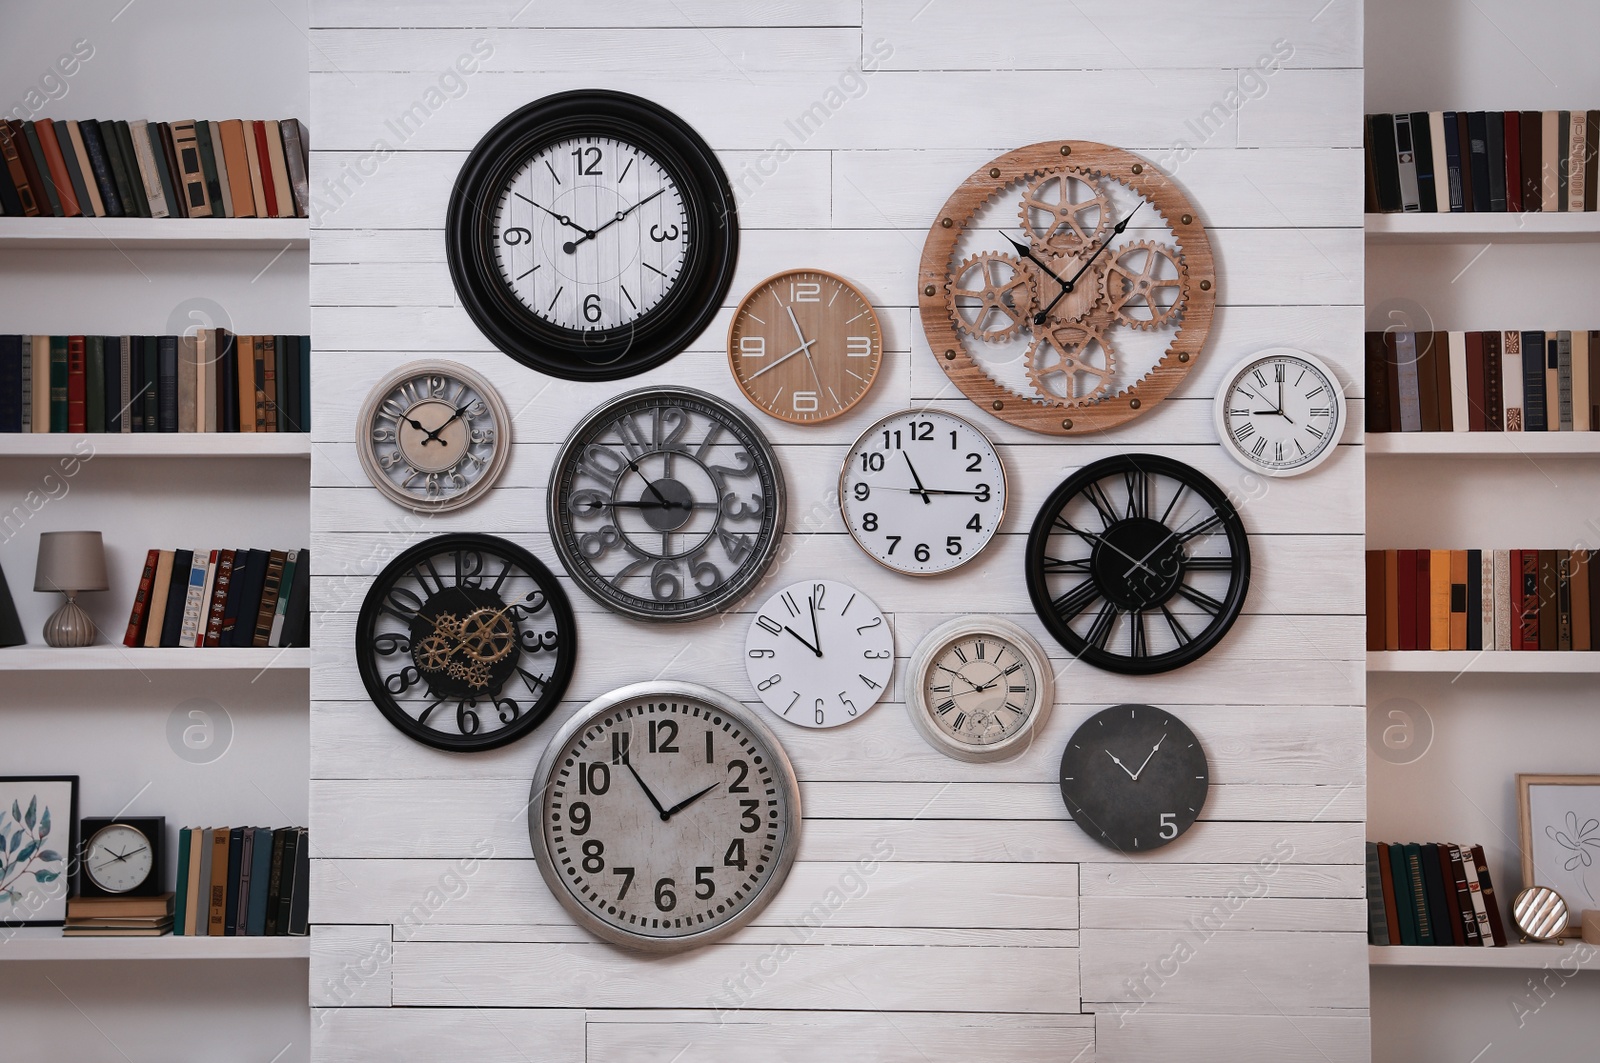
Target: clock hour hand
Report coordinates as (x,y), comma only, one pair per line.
(1153,749)
(664,813)
(802,640)
(1022,249)
(1121,765)
(919,489)
(687,801)
(773,365)
(434,435)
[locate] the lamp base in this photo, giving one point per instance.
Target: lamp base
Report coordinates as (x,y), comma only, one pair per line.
(70,626)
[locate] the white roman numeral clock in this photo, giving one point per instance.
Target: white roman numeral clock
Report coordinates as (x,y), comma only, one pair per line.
(1280,412)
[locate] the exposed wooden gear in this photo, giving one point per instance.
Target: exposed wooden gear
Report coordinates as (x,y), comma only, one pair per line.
(1060,189)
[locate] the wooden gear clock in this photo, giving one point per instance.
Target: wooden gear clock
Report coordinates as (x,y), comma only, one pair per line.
(1111,287)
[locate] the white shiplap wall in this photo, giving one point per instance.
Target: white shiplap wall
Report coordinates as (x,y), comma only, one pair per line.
(989,928)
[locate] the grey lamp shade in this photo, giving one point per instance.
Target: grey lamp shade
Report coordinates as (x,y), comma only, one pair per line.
(71,561)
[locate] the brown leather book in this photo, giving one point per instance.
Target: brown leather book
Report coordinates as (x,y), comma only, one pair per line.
(279,169)
(1431,347)
(1424,599)
(1581,604)
(1391,372)
(1549,598)
(1493,397)
(30,168)
(1532,160)
(1439,601)
(1477,403)
(1386,878)
(1480,864)
(1377,379)
(178,207)
(237,161)
(1591,152)
(1441,369)
(1371,199)
(261,634)
(245,376)
(57,165)
(1409,568)
(196,199)
(1376,610)
(1458,599)
(1391,599)
(269,382)
(19,176)
(260,348)
(1452,901)
(216,915)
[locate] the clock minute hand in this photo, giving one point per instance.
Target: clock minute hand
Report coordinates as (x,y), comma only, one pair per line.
(919,489)
(562,218)
(1153,749)
(1022,249)
(1067,286)
(590,234)
(434,435)
(664,813)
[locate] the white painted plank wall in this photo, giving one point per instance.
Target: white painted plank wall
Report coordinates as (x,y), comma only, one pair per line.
(994,930)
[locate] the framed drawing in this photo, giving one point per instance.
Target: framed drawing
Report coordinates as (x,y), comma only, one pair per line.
(38,846)
(1560,836)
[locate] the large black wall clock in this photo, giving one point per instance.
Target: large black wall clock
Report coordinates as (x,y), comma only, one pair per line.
(1138,564)
(591,235)
(1134,777)
(465,642)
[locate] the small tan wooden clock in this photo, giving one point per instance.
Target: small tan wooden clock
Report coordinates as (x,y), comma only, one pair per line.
(805,346)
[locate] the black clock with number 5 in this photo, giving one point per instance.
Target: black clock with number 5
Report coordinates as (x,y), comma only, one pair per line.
(1138,564)
(465,642)
(592,235)
(1134,777)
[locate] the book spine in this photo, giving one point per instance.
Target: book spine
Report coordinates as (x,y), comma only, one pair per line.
(267,610)
(1468,918)
(19,176)
(1410,391)
(219,597)
(1377,381)
(1472,588)
(280,612)
(1528,567)
(1533,370)
(204,612)
(77,385)
(216,917)
(100,166)
(154,194)
(1489,617)
(130,168)
(1513,160)
(208,167)
(193,600)
(1493,400)
(1419,894)
(1481,865)
(56,161)
(1511,381)
(1563,381)
(58,383)
(1563,600)
(1377,925)
(134,635)
(196,198)
(83,174)
(274,883)
(264,166)
(180,898)
(94,383)
(1581,387)
(41,168)
(294,157)
(270,381)
(1452,161)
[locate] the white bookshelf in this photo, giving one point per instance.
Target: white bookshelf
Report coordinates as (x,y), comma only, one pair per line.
(218,234)
(1573,956)
(1532,227)
(1485,662)
(1482,444)
(159,445)
(117,658)
(46,943)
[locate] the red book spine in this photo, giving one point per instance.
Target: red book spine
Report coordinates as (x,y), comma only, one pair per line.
(219,597)
(1526,564)
(141,601)
(1424,597)
(1513,142)
(264,164)
(57,165)
(1406,571)
(77,418)
(1476,384)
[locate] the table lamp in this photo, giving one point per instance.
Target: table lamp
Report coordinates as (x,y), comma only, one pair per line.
(70,563)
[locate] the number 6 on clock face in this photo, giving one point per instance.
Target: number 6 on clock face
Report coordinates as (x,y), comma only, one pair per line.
(819,653)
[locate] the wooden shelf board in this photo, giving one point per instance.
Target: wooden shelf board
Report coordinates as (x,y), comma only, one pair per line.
(1573,956)
(46,943)
(159,445)
(1475,227)
(75,234)
(1491,661)
(121,659)
(1482,444)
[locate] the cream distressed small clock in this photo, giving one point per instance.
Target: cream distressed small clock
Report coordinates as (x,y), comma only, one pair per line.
(433,436)
(805,346)
(1280,412)
(922,492)
(819,653)
(978,688)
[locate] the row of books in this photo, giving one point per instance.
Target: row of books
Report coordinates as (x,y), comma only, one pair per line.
(1465,161)
(140,169)
(1522,381)
(242,882)
(222,598)
(210,380)
(1482,600)
(118,917)
(1437,893)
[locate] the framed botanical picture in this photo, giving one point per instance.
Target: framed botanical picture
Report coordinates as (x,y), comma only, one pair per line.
(1560,835)
(38,846)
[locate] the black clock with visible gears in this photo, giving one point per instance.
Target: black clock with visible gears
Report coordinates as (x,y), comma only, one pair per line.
(465,642)
(1134,777)
(592,235)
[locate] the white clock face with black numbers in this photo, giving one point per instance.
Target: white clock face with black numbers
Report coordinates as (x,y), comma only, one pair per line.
(922,492)
(118,858)
(978,688)
(819,653)
(1280,412)
(591,233)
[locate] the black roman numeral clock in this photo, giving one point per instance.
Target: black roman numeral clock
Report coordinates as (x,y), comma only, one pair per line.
(1138,564)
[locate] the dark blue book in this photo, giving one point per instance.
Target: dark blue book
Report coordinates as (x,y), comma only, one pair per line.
(230,906)
(94,146)
(167,383)
(1422,151)
(305,383)
(242,607)
(1533,361)
(177,594)
(10,383)
(1438,903)
(113,376)
(1452,160)
(1477,161)
(152,378)
(260,882)
(1496,123)
(228,374)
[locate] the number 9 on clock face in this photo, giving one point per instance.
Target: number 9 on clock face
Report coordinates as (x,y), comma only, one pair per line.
(819,653)
(922,492)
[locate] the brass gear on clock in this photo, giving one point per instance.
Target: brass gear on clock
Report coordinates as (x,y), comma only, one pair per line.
(993,296)
(487,635)
(447,625)
(434,653)
(1056,222)
(1138,276)
(1071,364)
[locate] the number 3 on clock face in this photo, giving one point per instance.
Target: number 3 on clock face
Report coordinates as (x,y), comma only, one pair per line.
(819,653)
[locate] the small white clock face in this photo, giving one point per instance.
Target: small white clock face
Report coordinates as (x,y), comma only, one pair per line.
(434,436)
(820,653)
(591,233)
(922,492)
(1281,412)
(118,858)
(980,688)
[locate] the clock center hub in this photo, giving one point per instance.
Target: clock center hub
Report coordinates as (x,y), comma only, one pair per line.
(666,504)
(436,452)
(1138,563)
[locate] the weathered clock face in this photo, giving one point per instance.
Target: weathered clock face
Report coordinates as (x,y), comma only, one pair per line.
(433,436)
(1134,777)
(666,504)
(978,688)
(1280,412)
(665,816)
(819,653)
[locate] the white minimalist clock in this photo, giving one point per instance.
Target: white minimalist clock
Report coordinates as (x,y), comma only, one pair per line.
(1280,412)
(819,653)
(433,436)
(922,492)
(978,688)
(118,858)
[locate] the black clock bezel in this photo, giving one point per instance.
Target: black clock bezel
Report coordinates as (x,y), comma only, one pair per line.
(1100,808)
(1150,464)
(654,337)
(154,828)
(531,716)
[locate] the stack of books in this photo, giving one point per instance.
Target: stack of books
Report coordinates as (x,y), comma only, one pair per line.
(1522,381)
(208,381)
(1432,894)
(118,917)
(222,598)
(242,882)
(1482,600)
(1465,161)
(140,169)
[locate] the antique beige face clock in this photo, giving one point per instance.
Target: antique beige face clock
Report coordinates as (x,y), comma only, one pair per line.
(978,688)
(1086,257)
(805,346)
(433,436)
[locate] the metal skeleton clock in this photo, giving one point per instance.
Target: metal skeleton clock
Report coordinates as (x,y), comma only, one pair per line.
(433,436)
(1134,777)
(1090,259)
(1280,412)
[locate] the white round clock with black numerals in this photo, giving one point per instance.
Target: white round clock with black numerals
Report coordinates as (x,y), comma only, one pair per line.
(664,816)
(922,492)
(819,653)
(1134,777)
(978,688)
(433,436)
(1280,412)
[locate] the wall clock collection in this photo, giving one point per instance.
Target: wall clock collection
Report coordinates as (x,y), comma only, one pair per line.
(1064,288)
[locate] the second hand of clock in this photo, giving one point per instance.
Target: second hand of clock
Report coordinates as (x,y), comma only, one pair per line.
(804,346)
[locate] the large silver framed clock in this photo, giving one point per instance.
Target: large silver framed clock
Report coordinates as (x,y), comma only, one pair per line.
(664,816)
